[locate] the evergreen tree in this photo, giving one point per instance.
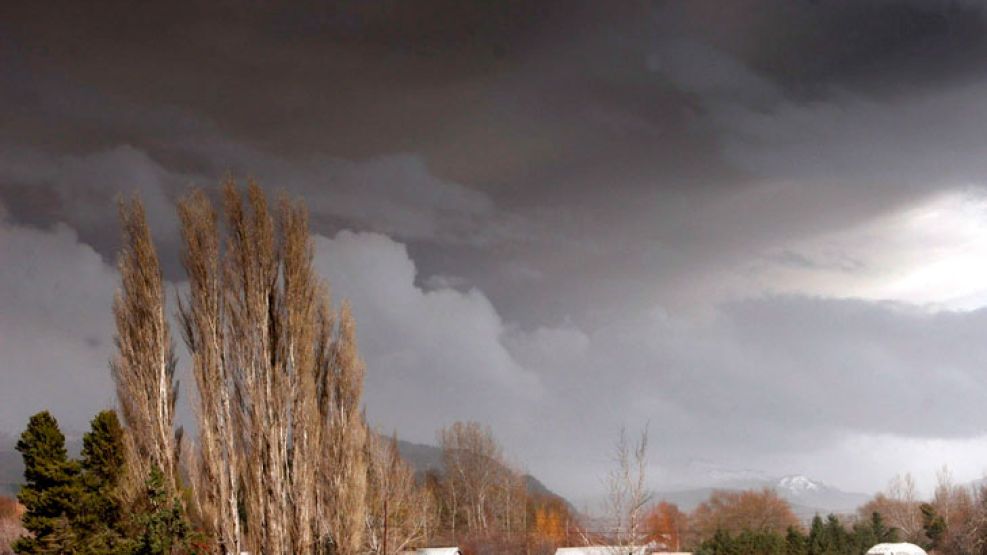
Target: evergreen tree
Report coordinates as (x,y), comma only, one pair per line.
(882,532)
(760,543)
(795,542)
(863,537)
(872,532)
(818,544)
(720,544)
(837,538)
(747,542)
(163,528)
(934,526)
(99,520)
(50,493)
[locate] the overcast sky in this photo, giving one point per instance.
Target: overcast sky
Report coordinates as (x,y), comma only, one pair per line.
(759,226)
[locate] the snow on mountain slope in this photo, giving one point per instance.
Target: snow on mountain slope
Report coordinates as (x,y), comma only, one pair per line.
(799,485)
(808,497)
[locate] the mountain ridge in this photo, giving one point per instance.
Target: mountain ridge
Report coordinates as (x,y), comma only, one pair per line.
(807,497)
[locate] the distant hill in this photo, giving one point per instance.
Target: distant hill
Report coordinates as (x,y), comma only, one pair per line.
(425,458)
(808,497)
(421,457)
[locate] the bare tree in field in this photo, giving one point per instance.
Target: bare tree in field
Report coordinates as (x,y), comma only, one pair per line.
(280,465)
(481,489)
(627,493)
(400,512)
(899,505)
(957,505)
(144,366)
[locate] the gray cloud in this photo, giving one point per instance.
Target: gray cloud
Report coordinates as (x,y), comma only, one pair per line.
(562,214)
(55,326)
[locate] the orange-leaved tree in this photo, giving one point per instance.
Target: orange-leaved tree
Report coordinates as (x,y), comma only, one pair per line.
(665,524)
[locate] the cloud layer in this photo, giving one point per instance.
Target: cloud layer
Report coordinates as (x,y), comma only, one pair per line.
(757,227)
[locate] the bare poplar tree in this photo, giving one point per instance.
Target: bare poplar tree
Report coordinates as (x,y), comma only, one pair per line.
(346,465)
(399,510)
(280,465)
(215,475)
(627,493)
(480,487)
(144,366)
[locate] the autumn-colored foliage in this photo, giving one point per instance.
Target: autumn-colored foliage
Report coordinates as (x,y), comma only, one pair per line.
(10,523)
(550,520)
(665,524)
(10,508)
(734,512)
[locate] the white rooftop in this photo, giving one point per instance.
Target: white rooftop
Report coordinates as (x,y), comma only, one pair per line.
(896,549)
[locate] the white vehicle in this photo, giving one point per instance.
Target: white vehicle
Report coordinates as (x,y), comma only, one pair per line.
(896,549)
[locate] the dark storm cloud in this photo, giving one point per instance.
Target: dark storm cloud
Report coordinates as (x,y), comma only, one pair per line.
(885,47)
(543,195)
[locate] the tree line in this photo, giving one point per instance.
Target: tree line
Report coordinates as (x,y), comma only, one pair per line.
(83,505)
(952,522)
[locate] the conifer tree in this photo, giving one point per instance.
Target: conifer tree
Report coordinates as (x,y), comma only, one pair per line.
(163,528)
(934,525)
(863,536)
(818,544)
(720,544)
(50,493)
(836,535)
(99,519)
(882,532)
(795,542)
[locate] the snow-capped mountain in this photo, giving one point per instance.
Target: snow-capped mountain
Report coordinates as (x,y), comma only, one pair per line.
(811,496)
(808,497)
(798,485)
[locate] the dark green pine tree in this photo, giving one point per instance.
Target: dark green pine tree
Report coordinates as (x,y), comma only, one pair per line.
(867,534)
(163,528)
(863,536)
(818,541)
(882,532)
(759,543)
(934,526)
(99,523)
(720,544)
(795,542)
(51,490)
(837,537)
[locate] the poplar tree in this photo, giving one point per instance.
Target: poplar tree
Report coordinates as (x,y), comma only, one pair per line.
(144,366)
(280,462)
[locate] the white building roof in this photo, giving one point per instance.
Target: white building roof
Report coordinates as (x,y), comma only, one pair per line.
(896,549)
(602,550)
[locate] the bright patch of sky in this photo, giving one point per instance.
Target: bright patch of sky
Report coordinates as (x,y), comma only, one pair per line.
(932,254)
